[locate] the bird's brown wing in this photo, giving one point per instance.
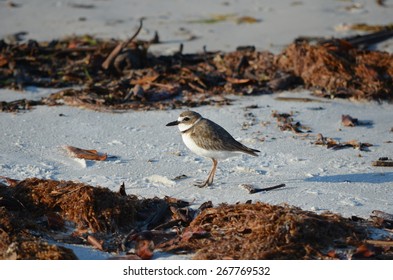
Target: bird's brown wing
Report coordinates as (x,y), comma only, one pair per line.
(211,136)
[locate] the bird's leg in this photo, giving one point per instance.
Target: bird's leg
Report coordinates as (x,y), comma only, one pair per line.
(209,180)
(212,172)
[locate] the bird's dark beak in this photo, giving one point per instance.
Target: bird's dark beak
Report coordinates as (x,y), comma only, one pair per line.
(172,123)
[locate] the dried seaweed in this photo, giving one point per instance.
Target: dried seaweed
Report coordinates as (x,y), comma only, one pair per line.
(340,70)
(263,231)
(35,211)
(98,216)
(17,241)
(136,79)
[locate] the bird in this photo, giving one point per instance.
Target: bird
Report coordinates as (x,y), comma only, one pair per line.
(208,139)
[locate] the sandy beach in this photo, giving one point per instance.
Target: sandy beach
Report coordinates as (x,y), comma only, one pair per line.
(147,156)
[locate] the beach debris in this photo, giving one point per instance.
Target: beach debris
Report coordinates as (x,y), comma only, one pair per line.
(205,205)
(122,189)
(180,177)
(85,154)
(383,161)
(100,218)
(36,249)
(81,6)
(382,219)
(11,182)
(251,120)
(133,58)
(380,243)
(298,99)
(347,120)
(54,221)
(12,4)
(330,66)
(251,107)
(217,18)
(263,231)
(95,242)
(333,144)
(285,122)
(112,75)
(111,222)
(144,248)
(364,27)
(247,19)
(283,81)
(76,202)
(364,251)
(18,105)
(325,141)
(252,189)
(354,144)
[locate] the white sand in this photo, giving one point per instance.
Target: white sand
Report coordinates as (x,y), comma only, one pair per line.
(148,155)
(177,20)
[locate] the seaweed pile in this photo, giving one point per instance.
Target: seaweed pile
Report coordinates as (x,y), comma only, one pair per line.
(115,75)
(38,217)
(34,211)
(263,231)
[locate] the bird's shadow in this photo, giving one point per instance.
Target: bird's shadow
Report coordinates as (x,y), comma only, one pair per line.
(372,178)
(91,163)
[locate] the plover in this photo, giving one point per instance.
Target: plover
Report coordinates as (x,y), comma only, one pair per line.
(208,139)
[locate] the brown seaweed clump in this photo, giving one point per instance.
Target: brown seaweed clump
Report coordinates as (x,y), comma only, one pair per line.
(94,208)
(37,216)
(135,79)
(35,212)
(18,242)
(34,209)
(340,70)
(263,231)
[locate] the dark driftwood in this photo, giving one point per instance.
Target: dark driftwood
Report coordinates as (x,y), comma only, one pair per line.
(252,189)
(111,57)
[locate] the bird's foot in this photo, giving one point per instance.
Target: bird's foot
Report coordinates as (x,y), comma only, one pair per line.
(202,184)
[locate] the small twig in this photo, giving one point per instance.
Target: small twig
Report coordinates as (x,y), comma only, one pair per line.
(71,50)
(382,243)
(111,57)
(180,177)
(65,191)
(95,242)
(168,225)
(252,189)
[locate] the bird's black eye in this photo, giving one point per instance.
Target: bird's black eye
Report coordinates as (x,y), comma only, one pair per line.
(186,119)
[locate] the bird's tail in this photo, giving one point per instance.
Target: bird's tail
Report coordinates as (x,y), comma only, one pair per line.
(252,152)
